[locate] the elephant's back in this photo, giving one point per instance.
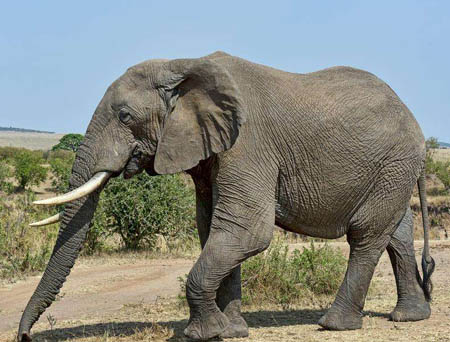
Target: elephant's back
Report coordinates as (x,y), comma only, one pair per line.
(346,128)
(357,106)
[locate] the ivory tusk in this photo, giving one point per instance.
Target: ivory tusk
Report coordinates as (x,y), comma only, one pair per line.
(47,221)
(94,183)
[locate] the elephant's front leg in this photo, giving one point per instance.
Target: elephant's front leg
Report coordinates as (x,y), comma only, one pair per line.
(228,296)
(241,226)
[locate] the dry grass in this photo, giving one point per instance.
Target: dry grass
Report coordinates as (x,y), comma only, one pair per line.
(31,141)
(436,201)
(441,154)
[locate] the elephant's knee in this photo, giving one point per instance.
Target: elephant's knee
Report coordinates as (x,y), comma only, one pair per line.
(194,288)
(261,243)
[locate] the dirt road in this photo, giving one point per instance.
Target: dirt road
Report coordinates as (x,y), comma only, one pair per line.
(94,289)
(116,301)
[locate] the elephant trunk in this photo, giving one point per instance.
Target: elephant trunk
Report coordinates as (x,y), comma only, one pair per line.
(74,226)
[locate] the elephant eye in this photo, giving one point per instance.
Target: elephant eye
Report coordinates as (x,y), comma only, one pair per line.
(124,116)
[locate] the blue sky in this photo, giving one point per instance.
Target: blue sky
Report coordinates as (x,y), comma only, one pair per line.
(58,57)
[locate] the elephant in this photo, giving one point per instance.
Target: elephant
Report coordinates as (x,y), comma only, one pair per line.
(326,154)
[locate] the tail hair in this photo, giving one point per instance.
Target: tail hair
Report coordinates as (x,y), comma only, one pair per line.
(428,263)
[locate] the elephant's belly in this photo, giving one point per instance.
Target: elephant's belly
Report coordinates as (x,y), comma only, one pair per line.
(294,221)
(310,213)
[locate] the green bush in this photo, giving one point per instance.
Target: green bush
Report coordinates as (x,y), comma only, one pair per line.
(142,207)
(59,154)
(28,169)
(99,231)
(61,167)
(5,174)
(8,153)
(279,277)
(439,168)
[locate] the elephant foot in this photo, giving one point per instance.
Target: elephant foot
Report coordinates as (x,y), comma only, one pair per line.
(206,325)
(237,328)
(410,310)
(336,319)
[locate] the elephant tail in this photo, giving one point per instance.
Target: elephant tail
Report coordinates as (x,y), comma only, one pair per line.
(428,263)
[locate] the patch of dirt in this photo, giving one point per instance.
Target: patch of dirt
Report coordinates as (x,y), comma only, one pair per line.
(94,289)
(119,302)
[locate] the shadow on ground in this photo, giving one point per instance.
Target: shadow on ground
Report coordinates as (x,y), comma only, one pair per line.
(258,319)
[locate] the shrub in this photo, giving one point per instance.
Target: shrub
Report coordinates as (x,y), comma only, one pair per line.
(28,169)
(439,168)
(5,174)
(59,154)
(95,238)
(278,277)
(142,207)
(69,142)
(61,167)
(8,153)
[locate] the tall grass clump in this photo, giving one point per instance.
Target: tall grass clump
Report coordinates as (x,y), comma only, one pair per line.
(279,277)
(23,249)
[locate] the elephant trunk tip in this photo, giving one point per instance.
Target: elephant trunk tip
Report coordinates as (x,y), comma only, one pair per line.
(24,336)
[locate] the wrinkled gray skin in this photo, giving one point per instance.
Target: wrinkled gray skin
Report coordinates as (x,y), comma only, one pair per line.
(326,154)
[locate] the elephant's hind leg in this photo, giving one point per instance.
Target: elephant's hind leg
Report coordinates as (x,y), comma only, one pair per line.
(346,311)
(411,303)
(371,229)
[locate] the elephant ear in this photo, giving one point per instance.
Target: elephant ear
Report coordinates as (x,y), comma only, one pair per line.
(204,113)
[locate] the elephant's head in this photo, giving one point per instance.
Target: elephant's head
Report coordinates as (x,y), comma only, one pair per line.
(162,116)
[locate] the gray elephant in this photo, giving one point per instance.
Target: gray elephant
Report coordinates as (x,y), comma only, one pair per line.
(325,154)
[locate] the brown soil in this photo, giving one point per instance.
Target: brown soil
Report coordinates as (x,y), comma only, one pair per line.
(133,300)
(94,288)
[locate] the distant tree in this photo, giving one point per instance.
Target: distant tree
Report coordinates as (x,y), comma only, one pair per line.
(432,142)
(69,142)
(28,169)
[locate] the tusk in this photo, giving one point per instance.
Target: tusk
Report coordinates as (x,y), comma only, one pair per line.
(94,183)
(47,221)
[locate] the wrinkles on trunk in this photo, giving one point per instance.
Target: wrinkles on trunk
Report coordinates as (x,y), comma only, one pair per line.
(72,233)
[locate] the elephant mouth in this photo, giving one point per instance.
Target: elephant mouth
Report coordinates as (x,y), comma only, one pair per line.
(138,163)
(133,167)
